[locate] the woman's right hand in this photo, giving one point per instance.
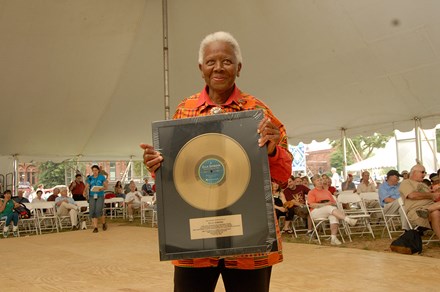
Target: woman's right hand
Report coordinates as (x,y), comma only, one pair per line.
(152,158)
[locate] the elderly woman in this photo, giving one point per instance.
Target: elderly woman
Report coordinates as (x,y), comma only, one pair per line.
(7,213)
(220,63)
(323,205)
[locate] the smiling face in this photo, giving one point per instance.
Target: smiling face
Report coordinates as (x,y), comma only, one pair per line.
(365,177)
(219,70)
(291,183)
(318,181)
(275,187)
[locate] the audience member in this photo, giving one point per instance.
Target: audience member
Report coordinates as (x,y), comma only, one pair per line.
(7,213)
(132,200)
(419,201)
(323,205)
(77,188)
(294,195)
(278,200)
(427,182)
(435,181)
(147,190)
(20,199)
(66,206)
(388,195)
(55,194)
(306,181)
(405,174)
(366,185)
(119,191)
(348,185)
(38,197)
(327,185)
(335,180)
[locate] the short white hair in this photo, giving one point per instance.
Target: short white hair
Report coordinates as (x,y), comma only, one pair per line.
(223,37)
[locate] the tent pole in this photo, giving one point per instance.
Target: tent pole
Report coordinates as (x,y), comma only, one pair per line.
(396,145)
(15,176)
(419,159)
(434,156)
(165,59)
(344,149)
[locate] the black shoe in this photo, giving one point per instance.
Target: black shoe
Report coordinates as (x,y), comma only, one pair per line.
(95,230)
(74,228)
(104,226)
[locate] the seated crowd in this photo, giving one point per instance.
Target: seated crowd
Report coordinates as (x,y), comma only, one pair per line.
(66,205)
(421,201)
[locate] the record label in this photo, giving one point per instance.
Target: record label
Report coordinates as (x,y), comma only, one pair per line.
(211,171)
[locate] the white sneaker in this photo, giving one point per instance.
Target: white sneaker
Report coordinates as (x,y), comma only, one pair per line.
(350,221)
(130,218)
(335,241)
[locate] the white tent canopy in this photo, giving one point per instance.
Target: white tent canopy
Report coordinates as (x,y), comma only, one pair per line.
(84,78)
(384,157)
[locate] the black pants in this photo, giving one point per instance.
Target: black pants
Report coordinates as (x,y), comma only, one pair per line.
(205,279)
(78,197)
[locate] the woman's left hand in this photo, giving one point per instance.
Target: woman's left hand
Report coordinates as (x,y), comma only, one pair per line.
(269,134)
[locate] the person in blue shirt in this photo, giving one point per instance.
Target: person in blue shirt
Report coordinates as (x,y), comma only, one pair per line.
(388,195)
(96,184)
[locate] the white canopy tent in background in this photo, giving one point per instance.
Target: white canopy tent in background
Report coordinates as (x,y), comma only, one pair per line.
(384,157)
(400,153)
(84,78)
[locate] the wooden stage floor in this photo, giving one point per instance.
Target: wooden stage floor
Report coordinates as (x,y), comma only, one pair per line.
(125,258)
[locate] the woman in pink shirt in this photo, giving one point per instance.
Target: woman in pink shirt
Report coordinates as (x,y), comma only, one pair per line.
(323,205)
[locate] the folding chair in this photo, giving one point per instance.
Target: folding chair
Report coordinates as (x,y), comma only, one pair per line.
(298,225)
(83,213)
(46,216)
(359,213)
(376,211)
(29,225)
(146,207)
(116,207)
(321,224)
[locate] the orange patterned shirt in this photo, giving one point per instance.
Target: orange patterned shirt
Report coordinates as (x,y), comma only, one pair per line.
(280,169)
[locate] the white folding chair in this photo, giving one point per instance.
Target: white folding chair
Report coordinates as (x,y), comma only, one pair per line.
(147,212)
(46,216)
(297,225)
(28,225)
(320,224)
(372,206)
(357,211)
(83,213)
(115,206)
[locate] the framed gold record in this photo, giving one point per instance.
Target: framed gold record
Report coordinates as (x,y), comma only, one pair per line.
(211,171)
(213,187)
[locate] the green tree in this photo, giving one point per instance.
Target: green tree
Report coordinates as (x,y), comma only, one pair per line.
(364,146)
(52,174)
(138,165)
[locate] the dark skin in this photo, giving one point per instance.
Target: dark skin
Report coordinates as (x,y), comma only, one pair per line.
(219,69)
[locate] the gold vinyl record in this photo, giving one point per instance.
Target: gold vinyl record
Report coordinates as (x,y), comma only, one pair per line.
(211,171)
